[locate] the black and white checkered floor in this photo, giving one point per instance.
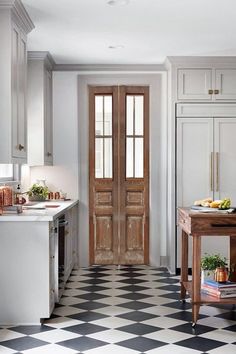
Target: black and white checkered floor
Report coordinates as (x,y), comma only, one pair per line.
(126,310)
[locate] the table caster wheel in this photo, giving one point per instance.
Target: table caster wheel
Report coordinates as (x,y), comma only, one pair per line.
(183,301)
(193,324)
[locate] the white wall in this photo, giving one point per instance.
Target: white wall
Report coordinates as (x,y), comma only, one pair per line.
(70,173)
(63,175)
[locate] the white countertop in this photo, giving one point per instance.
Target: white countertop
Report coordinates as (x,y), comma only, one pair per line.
(47,214)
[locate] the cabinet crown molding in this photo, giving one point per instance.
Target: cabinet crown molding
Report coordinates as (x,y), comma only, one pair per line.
(132,68)
(196,61)
(44,56)
(19,14)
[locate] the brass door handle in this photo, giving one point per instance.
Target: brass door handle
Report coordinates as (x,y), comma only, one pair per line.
(21,147)
(49,154)
(210,92)
(217,171)
(211,171)
(216,92)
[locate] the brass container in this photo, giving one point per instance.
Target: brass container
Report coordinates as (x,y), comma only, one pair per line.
(221,275)
(6,196)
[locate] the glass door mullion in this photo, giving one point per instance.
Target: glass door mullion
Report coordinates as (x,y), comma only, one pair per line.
(133,136)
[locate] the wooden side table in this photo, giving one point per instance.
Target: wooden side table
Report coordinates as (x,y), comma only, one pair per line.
(196,224)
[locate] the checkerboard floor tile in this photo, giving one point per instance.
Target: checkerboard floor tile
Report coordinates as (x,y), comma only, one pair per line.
(128,310)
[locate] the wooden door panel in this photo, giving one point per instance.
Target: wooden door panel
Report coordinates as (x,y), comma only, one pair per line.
(134,198)
(134,232)
(103,240)
(133,253)
(103,198)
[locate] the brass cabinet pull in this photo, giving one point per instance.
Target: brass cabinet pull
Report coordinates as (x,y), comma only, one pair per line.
(21,147)
(210,92)
(216,92)
(211,171)
(217,171)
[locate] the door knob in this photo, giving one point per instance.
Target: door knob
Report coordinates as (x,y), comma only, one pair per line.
(21,147)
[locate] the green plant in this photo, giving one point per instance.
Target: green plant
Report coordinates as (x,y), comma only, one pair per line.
(211,262)
(38,191)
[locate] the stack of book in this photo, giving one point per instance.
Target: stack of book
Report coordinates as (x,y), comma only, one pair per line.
(220,290)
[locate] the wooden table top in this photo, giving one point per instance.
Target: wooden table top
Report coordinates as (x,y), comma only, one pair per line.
(197,213)
(209,223)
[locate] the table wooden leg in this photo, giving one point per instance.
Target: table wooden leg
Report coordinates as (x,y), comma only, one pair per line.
(196,280)
(184,264)
(232,250)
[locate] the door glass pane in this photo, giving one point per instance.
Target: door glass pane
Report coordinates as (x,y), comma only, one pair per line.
(108,158)
(139,157)
(129,115)
(138,115)
(98,158)
(129,158)
(108,115)
(99,115)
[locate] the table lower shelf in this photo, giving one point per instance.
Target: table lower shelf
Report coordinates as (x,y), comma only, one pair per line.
(207,299)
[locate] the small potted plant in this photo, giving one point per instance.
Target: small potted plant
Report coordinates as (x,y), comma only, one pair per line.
(37,192)
(209,263)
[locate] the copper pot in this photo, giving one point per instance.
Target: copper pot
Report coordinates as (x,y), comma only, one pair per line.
(6,196)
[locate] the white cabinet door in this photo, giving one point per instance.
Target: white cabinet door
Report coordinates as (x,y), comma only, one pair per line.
(225,156)
(40,135)
(53,265)
(194,159)
(194,165)
(51,271)
(206,167)
(194,84)
(68,246)
(225,84)
(19,68)
(71,240)
(206,84)
(75,226)
(48,118)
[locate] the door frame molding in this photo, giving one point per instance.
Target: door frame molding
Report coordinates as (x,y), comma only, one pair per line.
(157,82)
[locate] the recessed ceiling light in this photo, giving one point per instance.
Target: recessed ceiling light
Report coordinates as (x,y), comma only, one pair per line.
(120,46)
(117,2)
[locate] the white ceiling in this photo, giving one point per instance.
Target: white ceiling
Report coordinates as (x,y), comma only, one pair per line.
(81,31)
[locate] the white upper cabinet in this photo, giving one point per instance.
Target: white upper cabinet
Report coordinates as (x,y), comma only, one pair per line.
(15,24)
(194,84)
(40,135)
(225,83)
(206,84)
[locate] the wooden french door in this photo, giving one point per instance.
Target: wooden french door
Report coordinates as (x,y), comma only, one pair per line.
(119,174)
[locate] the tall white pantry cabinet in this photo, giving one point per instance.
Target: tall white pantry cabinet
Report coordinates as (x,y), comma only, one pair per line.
(202,122)
(15,24)
(206,160)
